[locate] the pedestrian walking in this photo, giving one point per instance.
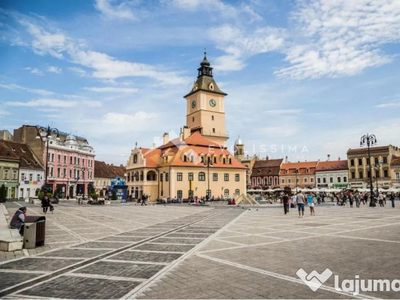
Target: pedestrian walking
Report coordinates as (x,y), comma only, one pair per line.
(357,198)
(381,199)
(311,204)
(392,198)
(45,204)
(18,220)
(300,199)
(285,199)
(144,199)
(351,199)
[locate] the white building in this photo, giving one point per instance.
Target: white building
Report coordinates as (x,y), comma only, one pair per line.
(332,174)
(31,171)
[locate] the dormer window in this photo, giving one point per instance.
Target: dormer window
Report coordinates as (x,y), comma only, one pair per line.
(185,158)
(215,159)
(224,160)
(230,160)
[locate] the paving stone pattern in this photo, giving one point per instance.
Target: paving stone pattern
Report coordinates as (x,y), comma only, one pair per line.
(124,266)
(69,287)
(257,256)
(130,270)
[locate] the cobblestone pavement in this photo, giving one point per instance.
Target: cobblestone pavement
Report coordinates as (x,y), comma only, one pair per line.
(258,254)
(188,252)
(113,267)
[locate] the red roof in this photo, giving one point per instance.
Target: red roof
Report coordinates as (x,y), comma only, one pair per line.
(332,165)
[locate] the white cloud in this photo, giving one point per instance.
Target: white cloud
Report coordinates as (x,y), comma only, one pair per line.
(218,8)
(53,69)
(54,103)
(79,71)
(34,71)
(240,45)
(18,87)
(103,65)
(388,105)
(341,37)
(111,90)
(118,11)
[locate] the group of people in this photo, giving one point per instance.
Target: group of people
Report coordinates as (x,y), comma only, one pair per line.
(359,197)
(342,198)
(299,200)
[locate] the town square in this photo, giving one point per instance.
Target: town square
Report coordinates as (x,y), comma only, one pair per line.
(199,149)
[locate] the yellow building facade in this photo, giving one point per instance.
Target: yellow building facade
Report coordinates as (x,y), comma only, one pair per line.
(197,163)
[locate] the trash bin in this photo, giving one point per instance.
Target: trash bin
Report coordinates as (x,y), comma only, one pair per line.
(34,231)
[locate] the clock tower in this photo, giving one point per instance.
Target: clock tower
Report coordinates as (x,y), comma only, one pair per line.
(205,106)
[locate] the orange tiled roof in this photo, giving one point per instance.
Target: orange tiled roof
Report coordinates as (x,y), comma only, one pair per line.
(195,145)
(332,165)
(301,166)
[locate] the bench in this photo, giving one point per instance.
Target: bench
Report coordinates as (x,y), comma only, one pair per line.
(10,239)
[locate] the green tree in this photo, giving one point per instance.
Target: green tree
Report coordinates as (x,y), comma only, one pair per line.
(3,192)
(91,189)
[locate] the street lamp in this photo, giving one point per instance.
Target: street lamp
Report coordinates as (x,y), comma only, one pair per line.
(208,164)
(49,131)
(369,140)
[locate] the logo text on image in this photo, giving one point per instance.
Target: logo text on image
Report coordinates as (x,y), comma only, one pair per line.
(314,280)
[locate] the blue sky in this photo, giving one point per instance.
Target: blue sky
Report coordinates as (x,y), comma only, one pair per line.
(312,75)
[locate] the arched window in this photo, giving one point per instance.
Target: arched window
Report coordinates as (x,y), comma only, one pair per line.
(202,176)
(230,160)
(215,159)
(184,158)
(135,159)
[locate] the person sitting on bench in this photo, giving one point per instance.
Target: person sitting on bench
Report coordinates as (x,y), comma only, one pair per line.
(18,220)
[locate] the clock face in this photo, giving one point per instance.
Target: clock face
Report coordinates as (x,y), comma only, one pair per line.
(193,104)
(213,102)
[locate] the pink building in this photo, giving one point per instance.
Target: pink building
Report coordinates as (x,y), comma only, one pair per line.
(70,168)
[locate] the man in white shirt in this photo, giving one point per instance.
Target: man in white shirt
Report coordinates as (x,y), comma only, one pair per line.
(300,199)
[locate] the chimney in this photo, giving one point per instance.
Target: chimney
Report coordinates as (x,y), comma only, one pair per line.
(286,159)
(329,157)
(186,132)
(165,138)
(154,146)
(266,158)
(339,158)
